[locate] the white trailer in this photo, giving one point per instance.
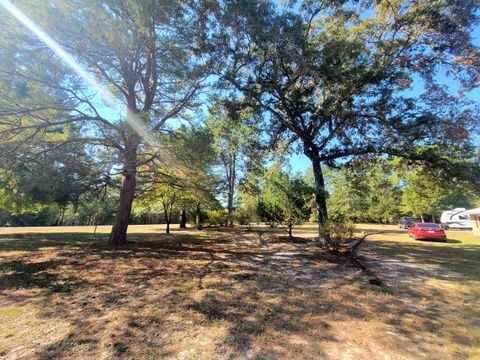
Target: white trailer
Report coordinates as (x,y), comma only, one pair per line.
(456,219)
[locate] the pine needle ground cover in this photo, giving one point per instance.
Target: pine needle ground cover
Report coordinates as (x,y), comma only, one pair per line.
(224,294)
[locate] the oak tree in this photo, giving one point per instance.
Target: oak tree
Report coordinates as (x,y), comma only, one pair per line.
(333,76)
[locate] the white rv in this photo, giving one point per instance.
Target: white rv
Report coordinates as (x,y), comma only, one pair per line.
(456,219)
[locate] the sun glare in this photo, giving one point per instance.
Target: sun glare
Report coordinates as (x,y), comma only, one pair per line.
(108,98)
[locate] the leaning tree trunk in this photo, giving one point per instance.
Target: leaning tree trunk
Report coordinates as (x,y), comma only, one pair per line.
(118,236)
(183,219)
(320,192)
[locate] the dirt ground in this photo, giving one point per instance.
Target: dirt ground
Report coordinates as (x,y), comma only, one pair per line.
(227,294)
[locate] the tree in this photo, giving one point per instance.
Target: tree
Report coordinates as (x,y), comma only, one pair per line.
(285,200)
(193,157)
(334,77)
(425,194)
(380,190)
(169,197)
(250,191)
(383,190)
(42,177)
(139,50)
(93,208)
(364,190)
(182,176)
(234,131)
(346,192)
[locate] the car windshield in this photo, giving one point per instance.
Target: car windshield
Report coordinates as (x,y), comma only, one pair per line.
(428,225)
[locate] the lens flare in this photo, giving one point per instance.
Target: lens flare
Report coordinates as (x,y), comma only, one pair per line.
(108,98)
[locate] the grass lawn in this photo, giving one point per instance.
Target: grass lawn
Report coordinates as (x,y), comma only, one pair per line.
(227,295)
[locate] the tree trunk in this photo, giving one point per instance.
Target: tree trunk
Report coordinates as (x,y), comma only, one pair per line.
(62,216)
(231,177)
(55,223)
(433,218)
(183,219)
(320,195)
(198,224)
(118,236)
(167,216)
(421,217)
(311,151)
(289,230)
(75,209)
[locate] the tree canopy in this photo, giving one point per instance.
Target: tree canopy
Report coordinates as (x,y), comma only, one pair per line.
(149,99)
(335,75)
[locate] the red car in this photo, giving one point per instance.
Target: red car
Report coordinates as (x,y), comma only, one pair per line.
(427,231)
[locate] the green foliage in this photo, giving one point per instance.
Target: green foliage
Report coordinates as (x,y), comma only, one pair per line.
(138,51)
(247,213)
(332,76)
(381,190)
(216,217)
(93,208)
(236,143)
(328,76)
(285,199)
(32,186)
(426,194)
(184,177)
(89,209)
(337,232)
(367,190)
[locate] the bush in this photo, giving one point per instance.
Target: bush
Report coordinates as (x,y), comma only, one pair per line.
(243,216)
(337,232)
(247,214)
(216,217)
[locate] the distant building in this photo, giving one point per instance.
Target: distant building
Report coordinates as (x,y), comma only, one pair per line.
(475,219)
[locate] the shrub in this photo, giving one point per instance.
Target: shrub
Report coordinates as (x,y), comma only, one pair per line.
(337,232)
(244,216)
(216,217)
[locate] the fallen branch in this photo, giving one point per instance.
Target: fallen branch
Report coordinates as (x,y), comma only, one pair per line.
(352,256)
(354,248)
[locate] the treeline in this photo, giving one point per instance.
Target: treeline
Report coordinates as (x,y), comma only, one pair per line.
(381,190)
(374,189)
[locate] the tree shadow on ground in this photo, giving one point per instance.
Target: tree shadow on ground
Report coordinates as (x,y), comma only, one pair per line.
(462,258)
(38,241)
(435,281)
(222,294)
